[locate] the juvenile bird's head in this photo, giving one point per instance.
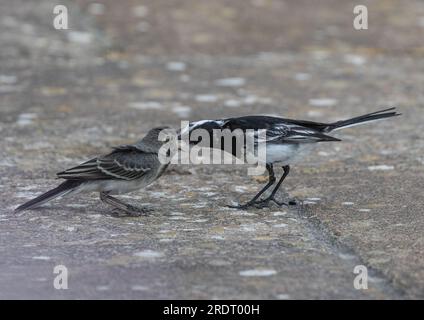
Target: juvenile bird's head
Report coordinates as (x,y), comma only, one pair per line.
(162,140)
(156,135)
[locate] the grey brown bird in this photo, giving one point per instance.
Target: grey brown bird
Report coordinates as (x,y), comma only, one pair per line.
(127,168)
(286,140)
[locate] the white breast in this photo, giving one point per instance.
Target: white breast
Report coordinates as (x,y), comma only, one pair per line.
(287,153)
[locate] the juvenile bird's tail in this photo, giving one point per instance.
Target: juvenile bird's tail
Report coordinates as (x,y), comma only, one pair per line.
(374,116)
(60,190)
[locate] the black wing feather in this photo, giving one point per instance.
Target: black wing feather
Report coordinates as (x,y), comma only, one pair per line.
(281,130)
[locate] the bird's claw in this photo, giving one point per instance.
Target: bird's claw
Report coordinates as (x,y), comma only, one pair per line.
(264,203)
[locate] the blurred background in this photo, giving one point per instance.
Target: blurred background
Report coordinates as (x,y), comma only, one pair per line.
(125,66)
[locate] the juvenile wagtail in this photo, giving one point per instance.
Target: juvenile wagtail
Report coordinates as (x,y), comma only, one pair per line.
(285,139)
(127,168)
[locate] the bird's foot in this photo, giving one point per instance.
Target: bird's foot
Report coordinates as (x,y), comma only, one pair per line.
(264,203)
(131,211)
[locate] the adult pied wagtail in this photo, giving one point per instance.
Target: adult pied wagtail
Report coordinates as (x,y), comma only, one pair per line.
(286,139)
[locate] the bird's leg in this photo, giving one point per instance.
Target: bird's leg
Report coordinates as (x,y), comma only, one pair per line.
(122,207)
(253,201)
(271,197)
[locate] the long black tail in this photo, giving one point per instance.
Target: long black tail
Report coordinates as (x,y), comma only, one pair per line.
(386,113)
(60,190)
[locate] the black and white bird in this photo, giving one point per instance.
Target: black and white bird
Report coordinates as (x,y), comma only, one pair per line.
(127,168)
(286,141)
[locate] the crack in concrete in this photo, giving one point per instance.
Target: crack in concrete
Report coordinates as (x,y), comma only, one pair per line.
(322,233)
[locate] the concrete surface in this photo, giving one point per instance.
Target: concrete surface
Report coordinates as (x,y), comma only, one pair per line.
(124,67)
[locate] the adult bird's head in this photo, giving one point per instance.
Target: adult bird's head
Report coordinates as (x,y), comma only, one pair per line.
(194,132)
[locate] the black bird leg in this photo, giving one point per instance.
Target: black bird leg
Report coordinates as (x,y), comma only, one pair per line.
(271,197)
(271,180)
(122,207)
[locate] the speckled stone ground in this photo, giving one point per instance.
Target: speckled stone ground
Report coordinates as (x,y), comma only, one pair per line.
(124,67)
